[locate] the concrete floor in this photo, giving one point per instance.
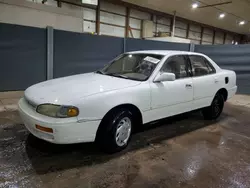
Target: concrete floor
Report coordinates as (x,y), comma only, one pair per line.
(183,151)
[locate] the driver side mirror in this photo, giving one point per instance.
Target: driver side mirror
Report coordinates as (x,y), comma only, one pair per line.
(164,76)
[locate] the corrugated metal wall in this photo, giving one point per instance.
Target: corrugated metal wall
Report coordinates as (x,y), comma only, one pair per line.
(22,56)
(76,53)
(138,44)
(80,53)
(232,57)
(23,53)
(112,19)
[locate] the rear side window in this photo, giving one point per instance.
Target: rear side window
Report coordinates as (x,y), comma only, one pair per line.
(201,66)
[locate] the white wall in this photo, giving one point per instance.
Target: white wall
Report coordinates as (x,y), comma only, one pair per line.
(219,37)
(180,29)
(194,33)
(229,39)
(135,22)
(163,25)
(207,36)
(89,20)
(29,13)
(112,20)
(197,35)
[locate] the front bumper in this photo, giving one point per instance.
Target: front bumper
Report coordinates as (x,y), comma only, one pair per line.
(65,130)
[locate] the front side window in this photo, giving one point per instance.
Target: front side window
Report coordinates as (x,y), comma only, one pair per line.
(177,65)
(132,66)
(200,66)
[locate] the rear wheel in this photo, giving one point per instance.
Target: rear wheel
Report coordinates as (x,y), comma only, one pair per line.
(214,110)
(115,131)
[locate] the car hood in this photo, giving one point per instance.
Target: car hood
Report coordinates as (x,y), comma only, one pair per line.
(68,90)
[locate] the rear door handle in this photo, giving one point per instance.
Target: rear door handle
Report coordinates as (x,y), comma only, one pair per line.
(188,85)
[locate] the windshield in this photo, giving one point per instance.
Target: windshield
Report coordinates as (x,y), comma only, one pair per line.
(132,66)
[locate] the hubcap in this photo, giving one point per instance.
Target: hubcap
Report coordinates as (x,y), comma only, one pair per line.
(123,131)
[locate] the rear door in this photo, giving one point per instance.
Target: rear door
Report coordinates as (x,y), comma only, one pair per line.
(205,83)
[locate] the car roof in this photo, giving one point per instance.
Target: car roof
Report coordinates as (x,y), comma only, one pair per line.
(164,52)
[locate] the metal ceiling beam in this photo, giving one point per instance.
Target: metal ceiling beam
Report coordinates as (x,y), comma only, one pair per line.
(216,4)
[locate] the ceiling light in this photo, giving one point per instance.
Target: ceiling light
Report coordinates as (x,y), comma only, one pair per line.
(195,5)
(222,15)
(242,22)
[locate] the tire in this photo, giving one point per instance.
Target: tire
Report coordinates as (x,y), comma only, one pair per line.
(115,131)
(214,110)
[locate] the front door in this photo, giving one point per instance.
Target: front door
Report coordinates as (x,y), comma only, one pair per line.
(173,97)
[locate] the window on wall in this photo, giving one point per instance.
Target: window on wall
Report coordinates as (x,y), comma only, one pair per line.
(201,66)
(177,65)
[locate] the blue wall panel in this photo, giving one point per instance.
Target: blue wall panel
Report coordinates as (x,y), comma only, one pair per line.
(76,53)
(232,57)
(138,44)
(22,56)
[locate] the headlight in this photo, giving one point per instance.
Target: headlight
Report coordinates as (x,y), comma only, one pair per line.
(57,110)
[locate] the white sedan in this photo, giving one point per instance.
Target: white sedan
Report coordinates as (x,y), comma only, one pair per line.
(135,88)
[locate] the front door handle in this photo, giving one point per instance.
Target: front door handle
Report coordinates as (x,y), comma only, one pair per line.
(188,85)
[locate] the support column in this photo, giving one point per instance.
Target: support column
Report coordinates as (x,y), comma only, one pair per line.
(50,52)
(202,31)
(191,47)
(127,22)
(214,36)
(173,25)
(97,23)
(187,33)
(224,38)
(124,44)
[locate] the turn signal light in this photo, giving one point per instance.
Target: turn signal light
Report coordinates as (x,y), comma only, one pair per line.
(45,129)
(72,112)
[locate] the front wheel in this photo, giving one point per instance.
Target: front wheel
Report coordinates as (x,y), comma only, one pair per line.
(115,132)
(214,110)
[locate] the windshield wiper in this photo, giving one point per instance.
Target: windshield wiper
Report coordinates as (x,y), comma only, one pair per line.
(99,72)
(117,75)
(111,74)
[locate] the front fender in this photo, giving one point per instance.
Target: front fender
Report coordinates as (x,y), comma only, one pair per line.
(94,107)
